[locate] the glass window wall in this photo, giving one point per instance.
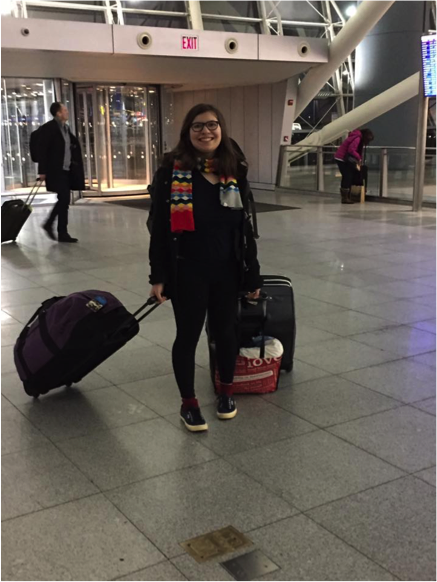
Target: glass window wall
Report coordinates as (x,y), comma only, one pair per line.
(25,106)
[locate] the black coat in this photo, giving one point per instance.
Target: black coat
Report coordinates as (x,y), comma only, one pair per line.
(51,150)
(164,244)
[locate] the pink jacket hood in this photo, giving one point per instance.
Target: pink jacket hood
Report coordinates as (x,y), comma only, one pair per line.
(350,146)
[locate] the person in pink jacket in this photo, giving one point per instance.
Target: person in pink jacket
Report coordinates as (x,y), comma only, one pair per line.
(348,157)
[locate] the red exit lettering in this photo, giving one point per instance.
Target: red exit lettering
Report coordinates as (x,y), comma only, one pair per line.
(190,43)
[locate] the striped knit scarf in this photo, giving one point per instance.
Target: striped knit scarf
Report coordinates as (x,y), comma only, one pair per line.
(182,217)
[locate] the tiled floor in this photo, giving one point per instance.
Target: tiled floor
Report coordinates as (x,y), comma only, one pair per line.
(332,476)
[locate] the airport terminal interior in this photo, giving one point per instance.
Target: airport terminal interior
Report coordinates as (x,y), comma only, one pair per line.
(330,477)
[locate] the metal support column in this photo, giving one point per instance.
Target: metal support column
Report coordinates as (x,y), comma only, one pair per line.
(320,174)
(23,9)
(419,171)
(278,19)
(108,13)
(58,89)
(262,13)
(422,127)
(337,80)
(87,137)
(353,32)
(195,20)
(349,59)
(433,12)
(108,139)
(383,176)
(373,108)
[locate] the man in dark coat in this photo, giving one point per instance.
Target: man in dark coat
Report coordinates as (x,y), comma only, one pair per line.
(60,165)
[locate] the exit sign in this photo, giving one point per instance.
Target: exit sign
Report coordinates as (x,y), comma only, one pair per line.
(190,43)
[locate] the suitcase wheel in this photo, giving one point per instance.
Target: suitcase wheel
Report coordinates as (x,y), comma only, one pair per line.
(30,390)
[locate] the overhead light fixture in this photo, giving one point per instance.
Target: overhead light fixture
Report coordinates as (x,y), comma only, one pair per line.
(351,10)
(345,73)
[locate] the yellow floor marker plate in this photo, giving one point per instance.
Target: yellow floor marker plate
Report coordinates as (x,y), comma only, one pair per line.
(215,544)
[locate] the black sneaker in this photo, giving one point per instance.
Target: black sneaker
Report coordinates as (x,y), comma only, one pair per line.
(193,419)
(226,407)
(66,238)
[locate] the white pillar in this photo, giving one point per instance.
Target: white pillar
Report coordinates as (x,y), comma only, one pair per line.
(263,15)
(195,14)
(367,15)
(363,114)
(289,114)
(419,170)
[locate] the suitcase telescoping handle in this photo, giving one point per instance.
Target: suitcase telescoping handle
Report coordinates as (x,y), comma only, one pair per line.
(263,300)
(152,302)
(34,191)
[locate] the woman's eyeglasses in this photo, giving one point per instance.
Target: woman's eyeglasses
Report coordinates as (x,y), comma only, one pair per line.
(211,125)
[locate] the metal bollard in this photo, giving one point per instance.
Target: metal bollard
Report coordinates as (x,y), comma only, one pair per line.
(383,176)
(320,174)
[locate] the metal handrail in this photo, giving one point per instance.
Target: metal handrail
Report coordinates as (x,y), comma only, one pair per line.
(319,150)
(335,147)
(118,8)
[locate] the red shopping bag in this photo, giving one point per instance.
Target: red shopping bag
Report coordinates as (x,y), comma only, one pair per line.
(256,375)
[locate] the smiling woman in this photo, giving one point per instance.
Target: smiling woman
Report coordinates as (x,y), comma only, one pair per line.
(202,250)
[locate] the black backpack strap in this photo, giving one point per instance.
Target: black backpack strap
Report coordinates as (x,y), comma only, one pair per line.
(253,213)
(44,306)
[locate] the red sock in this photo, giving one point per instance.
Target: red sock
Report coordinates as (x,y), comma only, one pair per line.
(190,403)
(225,389)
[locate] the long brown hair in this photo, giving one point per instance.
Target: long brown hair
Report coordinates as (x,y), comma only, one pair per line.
(367,135)
(230,159)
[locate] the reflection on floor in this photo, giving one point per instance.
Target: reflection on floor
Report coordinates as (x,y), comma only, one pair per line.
(145,203)
(120,187)
(332,477)
(399,182)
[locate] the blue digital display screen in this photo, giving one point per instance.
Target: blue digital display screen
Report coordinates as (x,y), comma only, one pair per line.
(429,65)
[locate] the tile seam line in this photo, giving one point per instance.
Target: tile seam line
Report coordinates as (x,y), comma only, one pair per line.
(332,435)
(341,376)
(9,519)
(395,359)
(320,427)
(370,488)
(185,468)
(406,472)
(371,559)
(166,561)
(303,513)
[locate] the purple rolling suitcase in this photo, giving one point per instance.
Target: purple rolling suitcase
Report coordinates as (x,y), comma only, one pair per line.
(67,337)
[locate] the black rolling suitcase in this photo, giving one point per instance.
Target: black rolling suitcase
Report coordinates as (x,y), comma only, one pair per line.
(68,337)
(280,320)
(15,214)
(359,184)
(272,315)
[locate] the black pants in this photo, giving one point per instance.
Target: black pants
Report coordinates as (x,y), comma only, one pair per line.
(60,210)
(347,174)
(202,289)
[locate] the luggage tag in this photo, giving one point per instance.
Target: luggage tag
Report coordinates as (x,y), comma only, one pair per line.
(97,303)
